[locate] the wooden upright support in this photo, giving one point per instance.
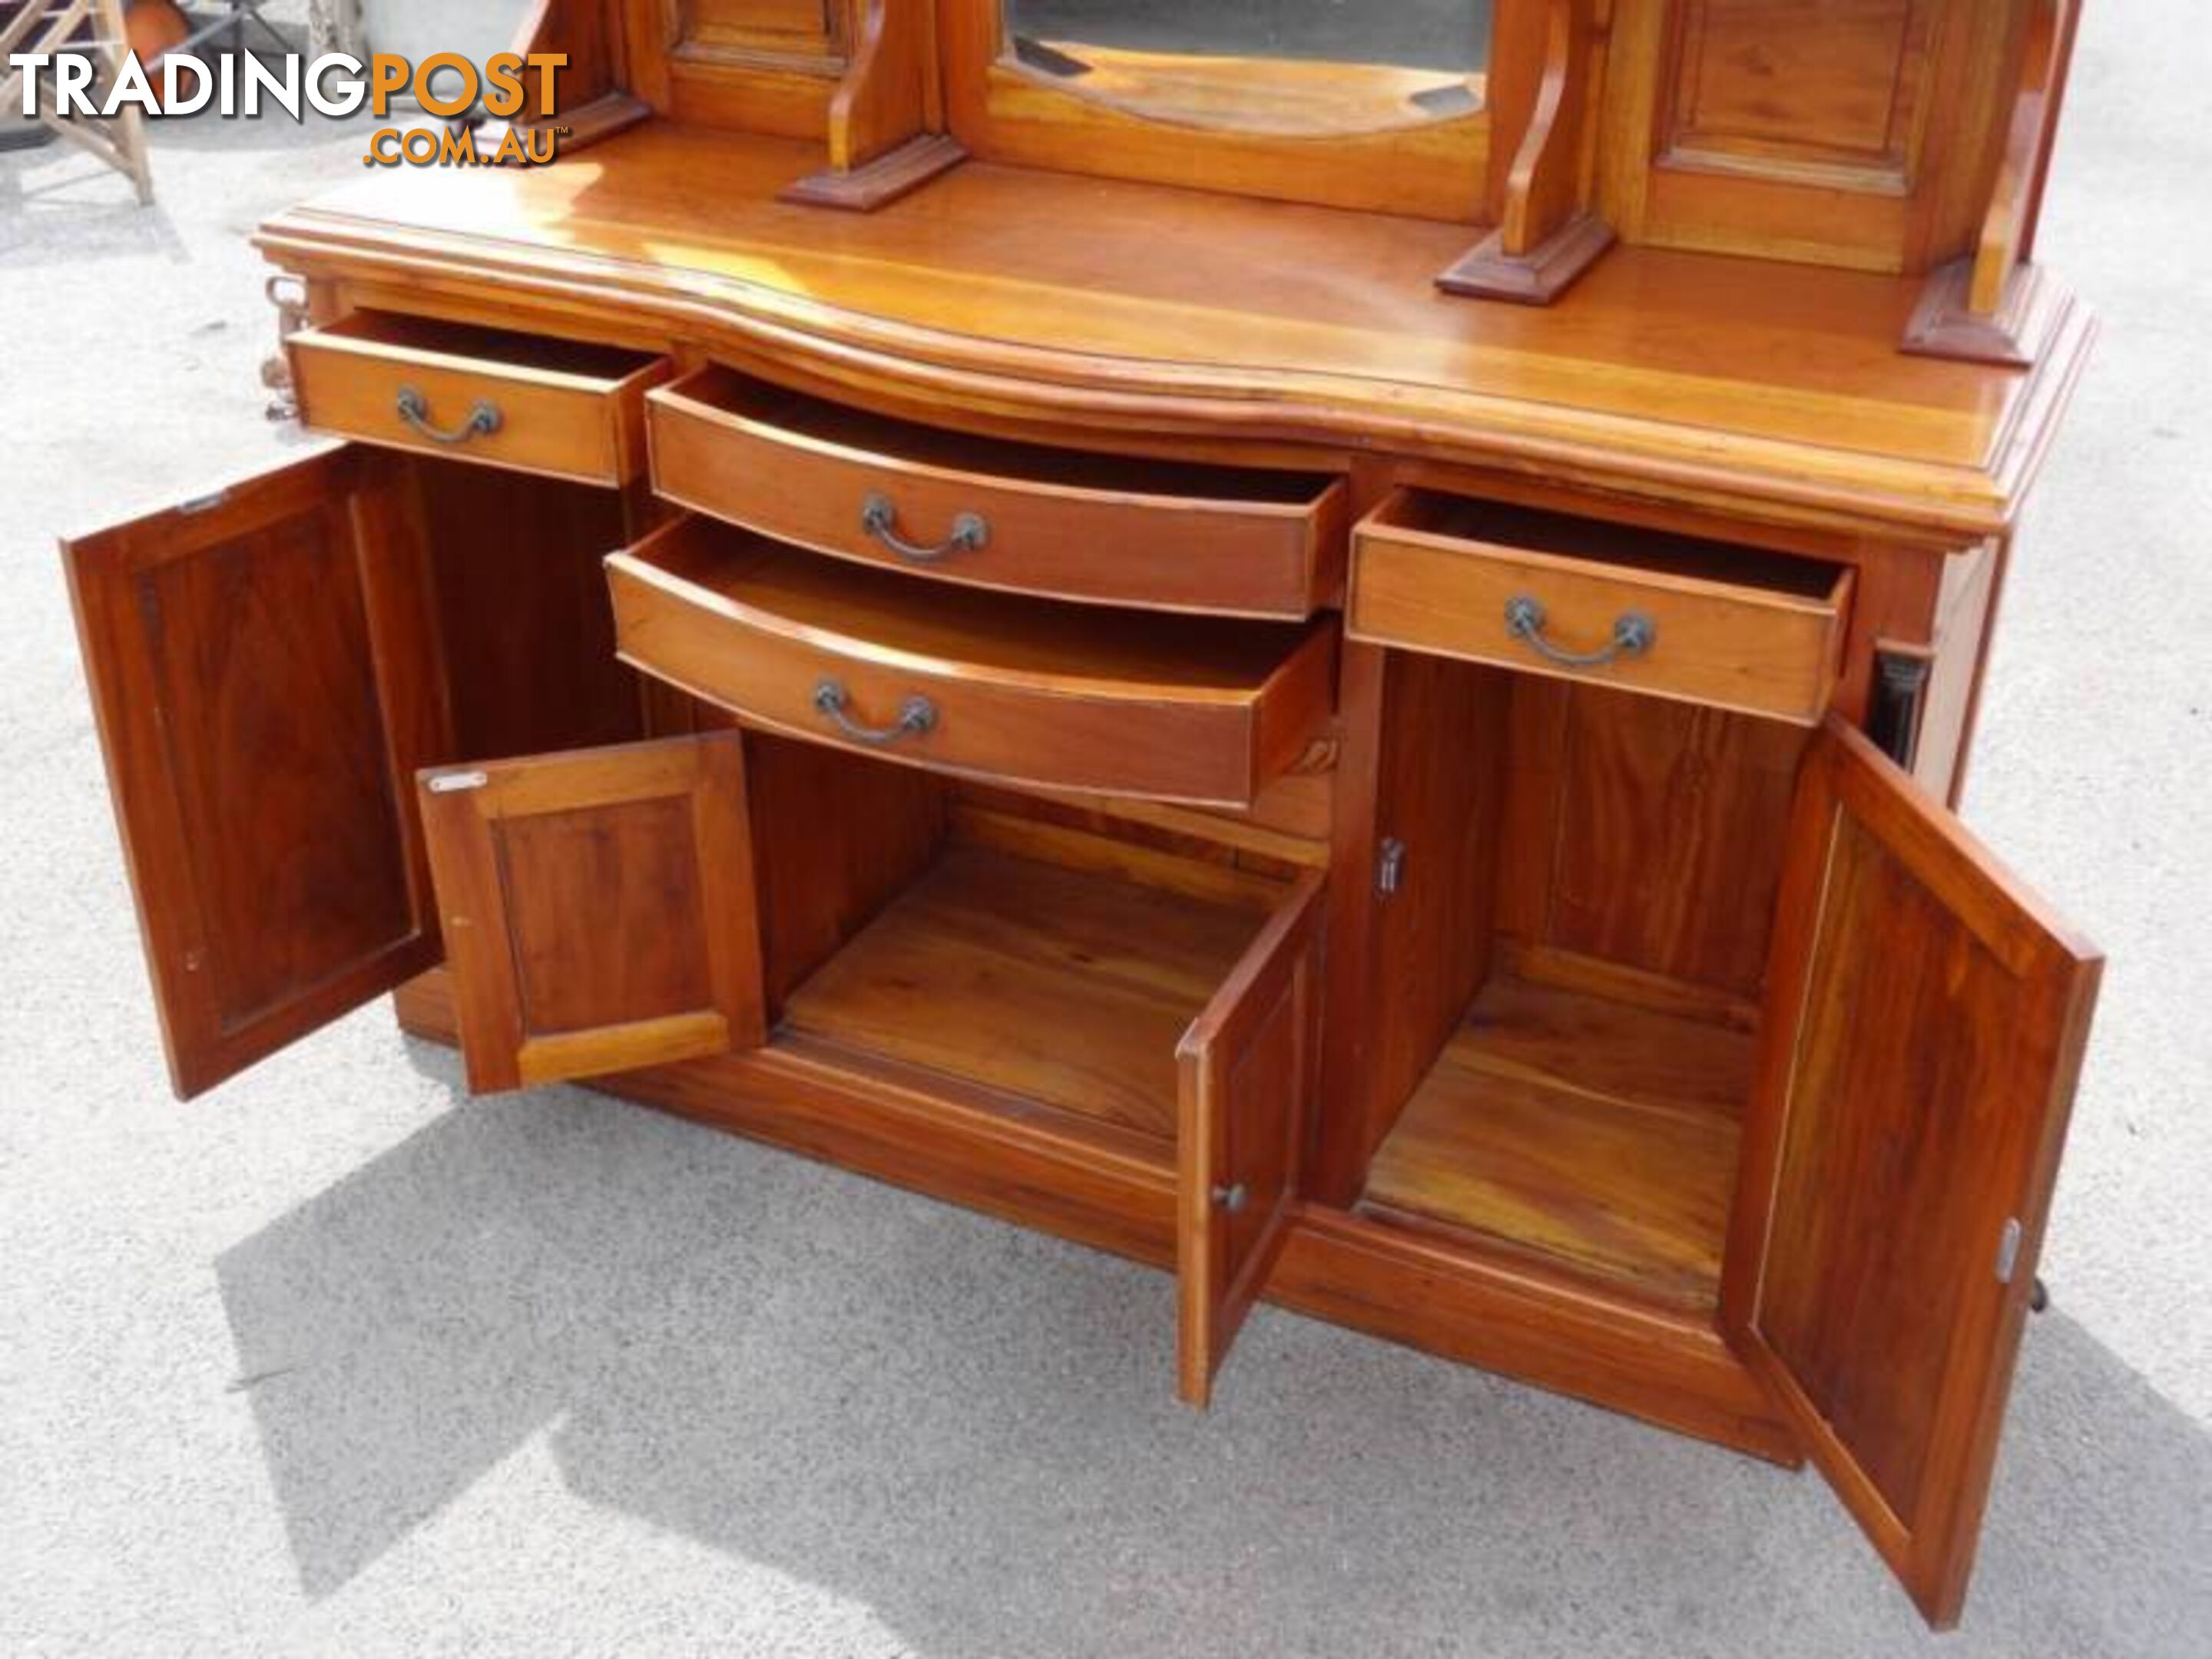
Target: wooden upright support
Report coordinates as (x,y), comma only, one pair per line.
(1993,305)
(1548,234)
(887,132)
(50,26)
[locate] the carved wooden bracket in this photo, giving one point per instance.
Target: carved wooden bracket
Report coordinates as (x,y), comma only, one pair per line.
(1547,235)
(1992,307)
(887,122)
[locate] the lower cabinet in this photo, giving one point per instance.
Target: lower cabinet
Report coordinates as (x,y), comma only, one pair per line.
(1700,1064)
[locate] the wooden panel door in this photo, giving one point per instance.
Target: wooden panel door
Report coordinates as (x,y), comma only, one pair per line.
(598,908)
(265,674)
(1248,1080)
(1925,1022)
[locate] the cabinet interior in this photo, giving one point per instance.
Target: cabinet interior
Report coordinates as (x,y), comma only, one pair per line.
(1576,1033)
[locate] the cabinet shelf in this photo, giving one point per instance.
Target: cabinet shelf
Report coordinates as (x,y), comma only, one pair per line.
(1595,1135)
(1065,986)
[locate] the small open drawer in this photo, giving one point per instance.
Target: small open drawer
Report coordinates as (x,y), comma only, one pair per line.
(1202,709)
(556,407)
(1673,616)
(993,514)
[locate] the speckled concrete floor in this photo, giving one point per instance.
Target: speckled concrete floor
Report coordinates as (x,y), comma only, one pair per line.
(336,1361)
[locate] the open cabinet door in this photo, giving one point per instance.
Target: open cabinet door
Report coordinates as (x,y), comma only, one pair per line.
(1248,1078)
(1926,1019)
(598,908)
(264,677)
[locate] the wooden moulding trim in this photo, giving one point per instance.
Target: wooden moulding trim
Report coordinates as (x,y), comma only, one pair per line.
(884,180)
(1624,453)
(818,1100)
(2030,311)
(1536,278)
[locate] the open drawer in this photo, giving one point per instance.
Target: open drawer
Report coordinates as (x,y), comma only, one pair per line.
(1200,709)
(1124,1008)
(561,408)
(1672,616)
(995,514)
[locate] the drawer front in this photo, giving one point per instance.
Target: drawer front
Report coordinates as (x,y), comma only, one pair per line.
(1096,529)
(776,636)
(1693,636)
(551,407)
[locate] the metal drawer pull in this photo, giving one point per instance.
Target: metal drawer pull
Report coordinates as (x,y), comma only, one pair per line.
(415,409)
(1231,1199)
(917,715)
(970,530)
(1633,634)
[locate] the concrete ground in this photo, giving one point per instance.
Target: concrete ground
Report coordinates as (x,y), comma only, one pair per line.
(336,1361)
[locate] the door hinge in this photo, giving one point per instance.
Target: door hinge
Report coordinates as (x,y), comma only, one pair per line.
(2007,1250)
(1390,866)
(453,783)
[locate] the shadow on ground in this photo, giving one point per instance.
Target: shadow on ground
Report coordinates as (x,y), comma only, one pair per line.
(969,1429)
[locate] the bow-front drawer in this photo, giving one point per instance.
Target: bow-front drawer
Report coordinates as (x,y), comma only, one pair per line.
(1673,616)
(1201,709)
(560,408)
(1066,524)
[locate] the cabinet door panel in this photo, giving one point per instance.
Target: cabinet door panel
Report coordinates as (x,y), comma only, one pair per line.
(1248,1078)
(1925,1024)
(263,671)
(598,907)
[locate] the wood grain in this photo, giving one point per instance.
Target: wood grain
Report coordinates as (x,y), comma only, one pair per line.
(1065,524)
(1068,987)
(566,409)
(1187,708)
(1600,1137)
(1913,1086)
(597,907)
(1246,1070)
(264,676)
(1733,629)
(1018,293)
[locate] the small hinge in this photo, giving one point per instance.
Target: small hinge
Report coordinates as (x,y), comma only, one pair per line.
(2007,1250)
(1390,866)
(453,783)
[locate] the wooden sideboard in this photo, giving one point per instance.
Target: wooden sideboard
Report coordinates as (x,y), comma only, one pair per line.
(1391,752)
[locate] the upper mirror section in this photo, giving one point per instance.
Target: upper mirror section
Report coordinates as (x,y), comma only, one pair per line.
(1302,67)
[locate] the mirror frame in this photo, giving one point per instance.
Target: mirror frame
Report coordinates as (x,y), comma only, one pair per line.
(1447,168)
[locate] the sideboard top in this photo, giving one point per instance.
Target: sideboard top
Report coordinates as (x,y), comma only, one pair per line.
(1112,305)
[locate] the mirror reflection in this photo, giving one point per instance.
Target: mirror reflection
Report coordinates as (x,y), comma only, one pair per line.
(1286,65)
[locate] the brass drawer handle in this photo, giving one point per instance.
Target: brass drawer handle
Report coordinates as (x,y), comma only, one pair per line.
(970,531)
(415,409)
(1633,634)
(917,716)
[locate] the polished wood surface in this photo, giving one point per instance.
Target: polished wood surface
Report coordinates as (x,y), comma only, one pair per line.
(1063,523)
(1914,1080)
(1587,1132)
(562,410)
(1375,964)
(1068,986)
(1174,707)
(1731,628)
(527,630)
(597,909)
(1021,292)
(265,674)
(1246,1071)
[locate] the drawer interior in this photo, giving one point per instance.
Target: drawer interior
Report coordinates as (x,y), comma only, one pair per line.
(1088,650)
(1628,547)
(868,438)
(464,346)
